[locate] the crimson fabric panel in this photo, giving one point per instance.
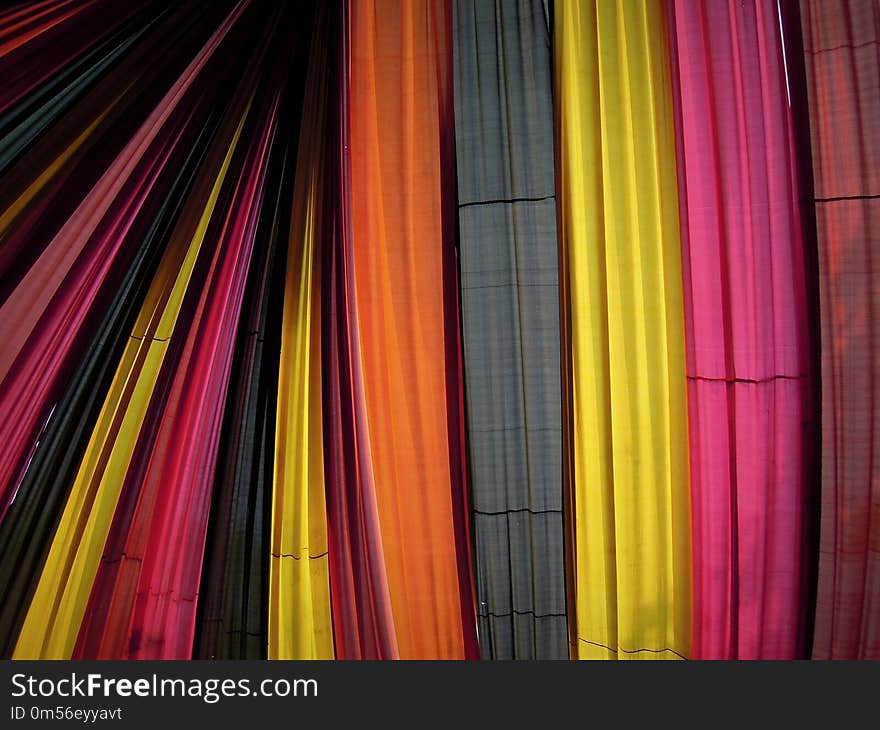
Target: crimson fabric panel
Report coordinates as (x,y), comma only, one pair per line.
(510,319)
(841,44)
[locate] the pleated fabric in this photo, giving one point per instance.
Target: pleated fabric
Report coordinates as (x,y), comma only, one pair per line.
(300,625)
(363,623)
(401,139)
(233,611)
(121,445)
(72,69)
(233,615)
(510,311)
(294,297)
(749,343)
(841,45)
(143,602)
(623,333)
(26,532)
(43,39)
(59,244)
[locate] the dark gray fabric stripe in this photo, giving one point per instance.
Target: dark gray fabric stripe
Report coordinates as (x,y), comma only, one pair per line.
(510,314)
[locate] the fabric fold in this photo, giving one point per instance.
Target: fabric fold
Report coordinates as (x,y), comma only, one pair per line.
(623,333)
(510,309)
(751,394)
(841,48)
(363,625)
(300,623)
(59,604)
(402,160)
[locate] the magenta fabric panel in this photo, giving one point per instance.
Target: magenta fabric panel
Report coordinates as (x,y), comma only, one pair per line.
(749,339)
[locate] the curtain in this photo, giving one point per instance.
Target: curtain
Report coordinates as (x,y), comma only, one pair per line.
(28,528)
(105,41)
(623,330)
(130,414)
(363,623)
(45,39)
(840,46)
(142,604)
(510,312)
(59,244)
(749,340)
(299,585)
(143,600)
(434,329)
(401,139)
(233,615)
(233,608)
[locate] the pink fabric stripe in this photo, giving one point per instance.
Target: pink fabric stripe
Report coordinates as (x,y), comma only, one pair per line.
(748,337)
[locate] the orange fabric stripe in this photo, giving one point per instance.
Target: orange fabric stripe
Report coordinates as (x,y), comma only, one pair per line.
(400,105)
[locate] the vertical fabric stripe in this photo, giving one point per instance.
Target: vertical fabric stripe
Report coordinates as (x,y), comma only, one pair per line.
(750,385)
(363,624)
(510,308)
(233,610)
(841,44)
(300,625)
(401,167)
(624,354)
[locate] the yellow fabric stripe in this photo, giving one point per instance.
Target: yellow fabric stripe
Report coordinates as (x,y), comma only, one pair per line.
(300,625)
(620,253)
(56,611)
